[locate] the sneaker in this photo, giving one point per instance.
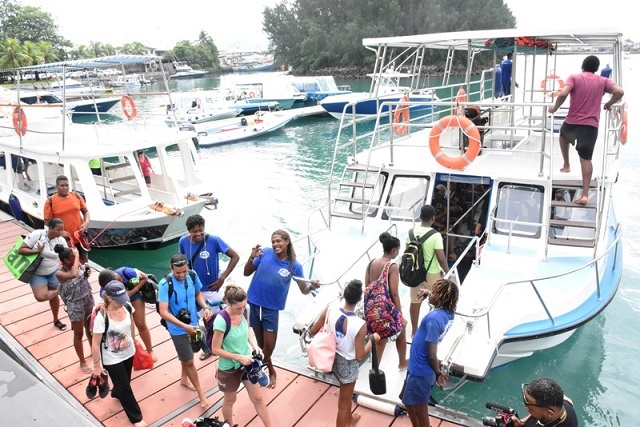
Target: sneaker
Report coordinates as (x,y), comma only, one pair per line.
(257,372)
(92,387)
(103,385)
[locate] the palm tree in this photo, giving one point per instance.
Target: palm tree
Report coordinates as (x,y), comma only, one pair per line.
(48,51)
(12,54)
(31,49)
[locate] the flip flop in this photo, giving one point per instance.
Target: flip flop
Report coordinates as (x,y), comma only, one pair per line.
(205,356)
(58,324)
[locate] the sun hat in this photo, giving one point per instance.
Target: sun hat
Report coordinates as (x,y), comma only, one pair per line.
(116,291)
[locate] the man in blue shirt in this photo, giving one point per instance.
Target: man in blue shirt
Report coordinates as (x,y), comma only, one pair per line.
(505,69)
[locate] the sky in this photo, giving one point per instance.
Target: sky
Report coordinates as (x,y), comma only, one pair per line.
(231,25)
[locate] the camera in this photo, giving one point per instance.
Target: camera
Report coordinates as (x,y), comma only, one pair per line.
(184,315)
(502,417)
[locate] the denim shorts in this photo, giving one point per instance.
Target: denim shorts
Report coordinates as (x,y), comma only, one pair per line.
(49,279)
(260,317)
(346,371)
(417,389)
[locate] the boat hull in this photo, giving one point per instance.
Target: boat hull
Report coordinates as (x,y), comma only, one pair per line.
(368,107)
(239,129)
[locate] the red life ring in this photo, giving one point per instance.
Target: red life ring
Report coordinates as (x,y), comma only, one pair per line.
(128,107)
(468,128)
(555,81)
(401,116)
(19,121)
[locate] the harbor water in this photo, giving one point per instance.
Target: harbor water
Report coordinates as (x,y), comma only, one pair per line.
(277,180)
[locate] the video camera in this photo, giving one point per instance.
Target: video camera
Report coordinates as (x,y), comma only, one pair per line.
(502,418)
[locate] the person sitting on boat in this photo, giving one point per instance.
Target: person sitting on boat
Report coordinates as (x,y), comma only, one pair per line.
(383,312)
(433,250)
(44,283)
(583,118)
(72,210)
(547,405)
(145,167)
(274,268)
(351,348)
(424,367)
(134,280)
(234,350)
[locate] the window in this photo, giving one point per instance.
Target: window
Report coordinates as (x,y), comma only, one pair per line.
(519,204)
(407,195)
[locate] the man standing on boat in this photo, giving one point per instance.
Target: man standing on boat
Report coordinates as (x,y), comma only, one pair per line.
(505,70)
(581,124)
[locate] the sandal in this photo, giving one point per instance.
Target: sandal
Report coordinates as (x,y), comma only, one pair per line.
(58,324)
(205,356)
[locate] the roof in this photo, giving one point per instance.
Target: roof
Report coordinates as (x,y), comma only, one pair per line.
(79,64)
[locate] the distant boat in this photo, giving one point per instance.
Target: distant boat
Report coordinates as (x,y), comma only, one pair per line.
(317,88)
(197,107)
(131,80)
(183,71)
(261,88)
(76,105)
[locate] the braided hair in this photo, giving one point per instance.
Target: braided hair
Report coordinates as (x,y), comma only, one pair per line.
(446,293)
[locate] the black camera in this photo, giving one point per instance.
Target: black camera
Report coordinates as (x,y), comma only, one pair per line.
(184,315)
(502,418)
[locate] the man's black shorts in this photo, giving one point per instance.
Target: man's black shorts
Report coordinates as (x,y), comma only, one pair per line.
(586,136)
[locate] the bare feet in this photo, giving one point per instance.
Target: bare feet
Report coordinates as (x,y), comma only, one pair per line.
(582,200)
(203,402)
(565,169)
(153,356)
(272,381)
(403,366)
(186,384)
(86,368)
(355,417)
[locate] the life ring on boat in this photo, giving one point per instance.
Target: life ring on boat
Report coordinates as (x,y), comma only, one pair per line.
(128,107)
(468,128)
(252,95)
(461,97)
(623,125)
(20,121)
(554,80)
(401,116)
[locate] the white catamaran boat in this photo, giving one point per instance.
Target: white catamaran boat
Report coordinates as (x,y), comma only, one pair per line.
(543,265)
(38,142)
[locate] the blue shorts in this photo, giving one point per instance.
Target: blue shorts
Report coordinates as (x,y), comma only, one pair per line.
(49,279)
(417,389)
(260,317)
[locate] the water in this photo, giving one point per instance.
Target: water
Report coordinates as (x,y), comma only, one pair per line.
(277,180)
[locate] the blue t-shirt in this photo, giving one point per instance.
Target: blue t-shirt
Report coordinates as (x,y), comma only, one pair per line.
(205,263)
(505,68)
(432,329)
(181,298)
(270,283)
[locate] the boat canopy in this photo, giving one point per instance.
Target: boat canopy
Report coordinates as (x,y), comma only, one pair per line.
(80,64)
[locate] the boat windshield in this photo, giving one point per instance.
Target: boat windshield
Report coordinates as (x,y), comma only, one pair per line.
(407,195)
(519,206)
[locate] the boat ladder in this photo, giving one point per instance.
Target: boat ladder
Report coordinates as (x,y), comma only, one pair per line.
(356,191)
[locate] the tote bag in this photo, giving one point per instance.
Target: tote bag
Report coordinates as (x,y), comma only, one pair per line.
(322,349)
(22,267)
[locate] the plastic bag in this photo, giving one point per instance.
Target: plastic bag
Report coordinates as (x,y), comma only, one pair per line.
(142,359)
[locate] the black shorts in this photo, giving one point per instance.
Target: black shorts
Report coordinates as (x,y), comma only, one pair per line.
(147,179)
(585,135)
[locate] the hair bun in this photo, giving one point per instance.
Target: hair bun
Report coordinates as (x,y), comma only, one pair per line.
(58,248)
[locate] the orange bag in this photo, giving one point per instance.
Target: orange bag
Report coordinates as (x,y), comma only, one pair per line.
(142,359)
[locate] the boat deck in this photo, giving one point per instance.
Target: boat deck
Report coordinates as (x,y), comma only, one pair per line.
(26,329)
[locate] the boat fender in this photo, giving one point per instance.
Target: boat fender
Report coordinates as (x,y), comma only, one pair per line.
(377,405)
(401,116)
(243,121)
(468,128)
(128,107)
(19,121)
(16,208)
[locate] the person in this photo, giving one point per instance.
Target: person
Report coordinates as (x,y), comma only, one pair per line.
(505,72)
(203,251)
(235,352)
(582,120)
(424,367)
(72,210)
(179,312)
(134,280)
(351,347)
(432,248)
(383,312)
(606,72)
(44,283)
(547,405)
(145,167)
(96,166)
(116,354)
(274,268)
(79,299)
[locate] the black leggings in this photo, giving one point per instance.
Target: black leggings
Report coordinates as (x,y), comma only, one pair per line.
(120,374)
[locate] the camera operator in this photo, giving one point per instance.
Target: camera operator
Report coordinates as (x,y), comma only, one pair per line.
(178,308)
(547,406)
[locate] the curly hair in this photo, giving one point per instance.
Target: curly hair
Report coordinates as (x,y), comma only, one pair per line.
(546,392)
(446,293)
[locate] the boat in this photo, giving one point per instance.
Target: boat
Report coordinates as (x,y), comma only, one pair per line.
(317,88)
(69,87)
(542,266)
(77,105)
(183,71)
(239,128)
(124,211)
(199,107)
(131,81)
(261,88)
(250,62)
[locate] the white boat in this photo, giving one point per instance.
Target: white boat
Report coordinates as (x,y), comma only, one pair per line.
(199,107)
(69,87)
(265,88)
(183,71)
(543,266)
(131,81)
(124,211)
(317,88)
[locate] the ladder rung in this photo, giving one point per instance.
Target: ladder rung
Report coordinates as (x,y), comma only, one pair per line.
(122,178)
(352,200)
(565,204)
(116,166)
(358,167)
(568,223)
(347,215)
(572,242)
(356,184)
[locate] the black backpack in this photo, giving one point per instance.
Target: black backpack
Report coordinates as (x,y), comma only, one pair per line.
(169,280)
(412,270)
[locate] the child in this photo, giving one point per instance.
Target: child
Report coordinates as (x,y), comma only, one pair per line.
(145,167)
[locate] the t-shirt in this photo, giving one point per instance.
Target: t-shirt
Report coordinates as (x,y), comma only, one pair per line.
(236,341)
(119,343)
(586,98)
(145,166)
(429,248)
(68,209)
(345,343)
(270,283)
(570,421)
(50,260)
(432,329)
(205,264)
(505,68)
(184,296)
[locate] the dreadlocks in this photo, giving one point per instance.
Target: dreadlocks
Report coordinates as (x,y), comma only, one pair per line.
(447,294)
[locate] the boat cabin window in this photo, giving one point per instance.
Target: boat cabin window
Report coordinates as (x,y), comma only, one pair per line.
(368,189)
(519,208)
(407,195)
(19,172)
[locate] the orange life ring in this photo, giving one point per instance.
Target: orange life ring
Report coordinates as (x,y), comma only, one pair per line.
(468,128)
(128,107)
(556,81)
(20,121)
(252,95)
(623,125)
(401,116)
(461,96)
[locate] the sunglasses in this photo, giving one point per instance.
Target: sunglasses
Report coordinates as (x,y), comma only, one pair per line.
(524,398)
(179,263)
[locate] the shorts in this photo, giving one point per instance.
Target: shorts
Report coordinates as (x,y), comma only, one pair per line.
(417,389)
(427,284)
(346,371)
(147,179)
(183,347)
(229,381)
(48,279)
(79,310)
(265,318)
(585,135)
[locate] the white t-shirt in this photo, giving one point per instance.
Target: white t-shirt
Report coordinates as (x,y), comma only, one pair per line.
(119,343)
(50,260)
